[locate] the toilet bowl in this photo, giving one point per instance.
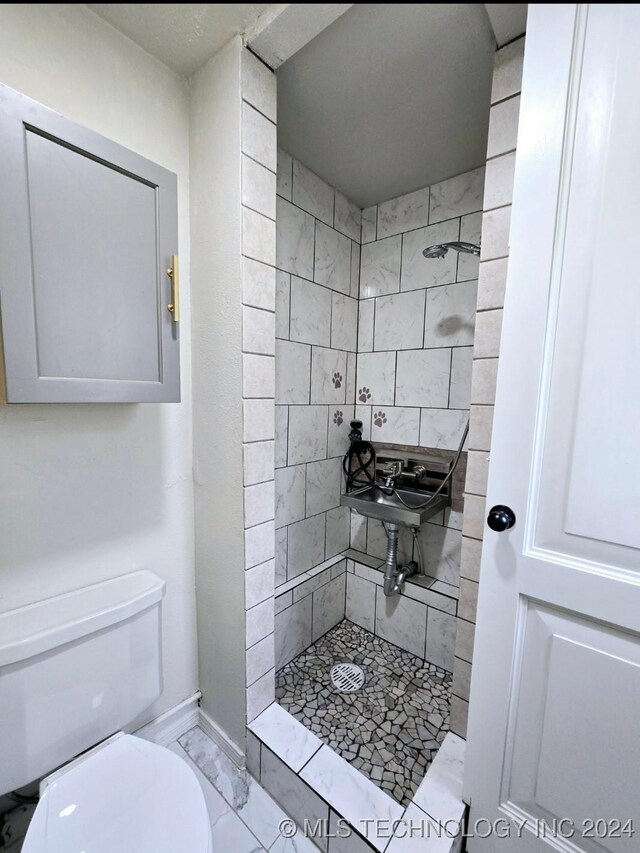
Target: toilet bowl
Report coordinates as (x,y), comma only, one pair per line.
(74,669)
(126,795)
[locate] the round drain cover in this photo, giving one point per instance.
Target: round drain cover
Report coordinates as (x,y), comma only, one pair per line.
(347,677)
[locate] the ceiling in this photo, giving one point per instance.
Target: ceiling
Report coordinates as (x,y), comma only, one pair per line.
(509,20)
(390,98)
(185,36)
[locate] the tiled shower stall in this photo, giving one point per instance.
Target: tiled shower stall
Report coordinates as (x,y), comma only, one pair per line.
(344,317)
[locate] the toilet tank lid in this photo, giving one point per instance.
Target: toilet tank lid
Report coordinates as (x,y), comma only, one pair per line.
(40,627)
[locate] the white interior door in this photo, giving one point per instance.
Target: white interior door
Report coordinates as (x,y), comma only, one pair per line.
(554,729)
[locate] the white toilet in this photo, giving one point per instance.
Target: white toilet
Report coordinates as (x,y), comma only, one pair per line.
(74,670)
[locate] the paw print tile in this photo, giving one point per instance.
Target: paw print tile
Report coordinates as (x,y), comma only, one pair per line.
(338,418)
(337,380)
(364,395)
(379,418)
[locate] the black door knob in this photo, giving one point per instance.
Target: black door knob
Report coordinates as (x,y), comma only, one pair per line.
(501,518)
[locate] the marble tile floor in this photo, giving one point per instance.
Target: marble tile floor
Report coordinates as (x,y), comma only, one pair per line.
(244,818)
(392,729)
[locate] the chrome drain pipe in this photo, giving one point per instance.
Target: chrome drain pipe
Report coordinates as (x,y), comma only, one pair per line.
(391,585)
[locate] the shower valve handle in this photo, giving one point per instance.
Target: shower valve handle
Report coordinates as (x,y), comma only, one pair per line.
(501,518)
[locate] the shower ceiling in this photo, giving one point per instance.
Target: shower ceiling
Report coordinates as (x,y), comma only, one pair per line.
(390,98)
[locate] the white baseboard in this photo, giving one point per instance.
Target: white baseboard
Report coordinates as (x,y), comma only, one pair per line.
(169,726)
(221,739)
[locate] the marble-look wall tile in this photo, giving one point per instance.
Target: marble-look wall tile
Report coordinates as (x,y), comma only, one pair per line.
(503,127)
(293,372)
(328,607)
(280,568)
(461,678)
(442,428)
(259,544)
(441,552)
(441,638)
(366,311)
(260,622)
(451,312)
(284,178)
(400,321)
(258,188)
(292,631)
(419,272)
(312,194)
(395,424)
(290,489)
(507,72)
(259,583)
(258,284)
(465,634)
(481,427)
(380,267)
(369,224)
(423,377)
(404,213)
(477,472)
(258,503)
(347,217)
(282,430)
(339,427)
(457,196)
(363,414)
(258,376)
(259,137)
(288,789)
(332,259)
(294,239)
(258,237)
(283,601)
(358,532)
(328,376)
(351,378)
(260,695)
(485,374)
(305,545)
(470,558)
(260,659)
(324,481)
(376,373)
(495,233)
(474,516)
(468,600)
(488,333)
(498,189)
(307,434)
(310,312)
(344,322)
(259,85)
(253,755)
(459,716)
(355,270)
(402,622)
(337,530)
(283,300)
(470,232)
(492,284)
(460,387)
(258,420)
(258,331)
(258,462)
(361,602)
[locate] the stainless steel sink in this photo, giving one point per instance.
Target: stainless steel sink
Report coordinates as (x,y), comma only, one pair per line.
(374,503)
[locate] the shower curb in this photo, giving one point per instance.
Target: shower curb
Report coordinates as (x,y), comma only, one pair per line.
(437,804)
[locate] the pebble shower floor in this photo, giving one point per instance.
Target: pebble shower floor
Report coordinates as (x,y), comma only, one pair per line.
(391,729)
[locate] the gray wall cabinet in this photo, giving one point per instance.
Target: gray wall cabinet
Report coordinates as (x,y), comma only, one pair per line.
(88,231)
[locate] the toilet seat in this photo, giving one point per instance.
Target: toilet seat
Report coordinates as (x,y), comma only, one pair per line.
(126,795)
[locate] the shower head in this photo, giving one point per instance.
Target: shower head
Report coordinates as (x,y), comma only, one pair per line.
(441,249)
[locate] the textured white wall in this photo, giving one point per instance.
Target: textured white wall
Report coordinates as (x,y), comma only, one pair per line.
(89,492)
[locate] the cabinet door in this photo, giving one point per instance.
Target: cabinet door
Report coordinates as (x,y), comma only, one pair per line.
(87,234)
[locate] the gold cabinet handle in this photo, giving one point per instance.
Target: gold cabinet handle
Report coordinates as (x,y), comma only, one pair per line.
(174,305)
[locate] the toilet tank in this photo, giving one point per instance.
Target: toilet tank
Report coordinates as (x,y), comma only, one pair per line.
(74,669)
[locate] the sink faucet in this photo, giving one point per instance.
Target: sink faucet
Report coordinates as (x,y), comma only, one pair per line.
(395,469)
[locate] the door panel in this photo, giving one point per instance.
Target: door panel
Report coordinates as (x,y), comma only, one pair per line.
(553,727)
(88,230)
